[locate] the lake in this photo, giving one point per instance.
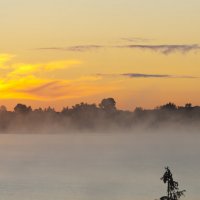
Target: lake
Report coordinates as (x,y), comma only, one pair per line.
(97,166)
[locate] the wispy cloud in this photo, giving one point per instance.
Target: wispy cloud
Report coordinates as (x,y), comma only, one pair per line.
(41,87)
(32,81)
(60,89)
(76,48)
(160,48)
(136,39)
(164,48)
(137,75)
(17,70)
(84,47)
(142,75)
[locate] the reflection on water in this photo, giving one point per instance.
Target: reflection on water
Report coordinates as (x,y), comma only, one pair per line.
(96,166)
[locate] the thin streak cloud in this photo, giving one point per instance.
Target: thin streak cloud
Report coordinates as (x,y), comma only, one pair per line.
(41,87)
(135,39)
(81,48)
(141,75)
(76,48)
(137,75)
(160,48)
(165,48)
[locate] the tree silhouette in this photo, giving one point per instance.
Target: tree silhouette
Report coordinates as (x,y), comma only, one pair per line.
(105,116)
(21,108)
(108,104)
(173,192)
(3,108)
(169,106)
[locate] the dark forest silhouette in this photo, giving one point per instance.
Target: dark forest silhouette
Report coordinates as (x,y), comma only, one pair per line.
(92,117)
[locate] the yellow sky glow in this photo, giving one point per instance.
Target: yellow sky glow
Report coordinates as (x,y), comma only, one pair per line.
(63,53)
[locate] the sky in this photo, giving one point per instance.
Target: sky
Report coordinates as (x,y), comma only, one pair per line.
(61,52)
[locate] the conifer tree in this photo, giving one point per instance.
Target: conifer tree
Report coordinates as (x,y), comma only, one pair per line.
(173,192)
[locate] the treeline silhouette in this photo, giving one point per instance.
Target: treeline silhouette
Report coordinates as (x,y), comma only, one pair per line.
(92,117)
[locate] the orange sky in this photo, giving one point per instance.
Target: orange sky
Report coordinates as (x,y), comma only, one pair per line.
(58,53)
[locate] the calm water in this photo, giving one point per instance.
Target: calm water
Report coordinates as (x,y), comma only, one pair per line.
(96,166)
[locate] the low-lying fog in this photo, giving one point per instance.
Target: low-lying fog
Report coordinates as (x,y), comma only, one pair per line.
(97,166)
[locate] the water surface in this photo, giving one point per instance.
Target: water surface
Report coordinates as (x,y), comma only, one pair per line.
(96,166)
